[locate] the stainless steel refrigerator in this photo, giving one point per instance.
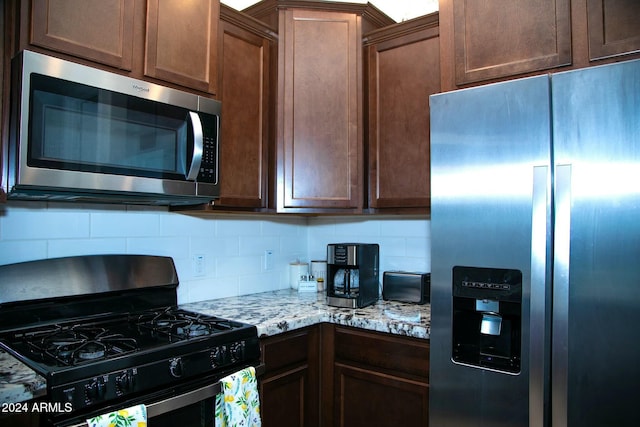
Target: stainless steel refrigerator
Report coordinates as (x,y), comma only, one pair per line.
(535,236)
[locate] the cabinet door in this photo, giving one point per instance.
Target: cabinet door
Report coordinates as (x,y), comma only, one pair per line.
(498,39)
(245,83)
(364,397)
(4,89)
(403,72)
(283,399)
(614,27)
(319,156)
(97,30)
(289,389)
(181,45)
(379,379)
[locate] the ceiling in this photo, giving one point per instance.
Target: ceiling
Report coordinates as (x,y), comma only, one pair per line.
(398,10)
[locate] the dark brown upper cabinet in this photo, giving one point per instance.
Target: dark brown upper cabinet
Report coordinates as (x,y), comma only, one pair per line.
(148,39)
(98,30)
(181,43)
(319,111)
(403,69)
(614,27)
(499,39)
(482,42)
(246,50)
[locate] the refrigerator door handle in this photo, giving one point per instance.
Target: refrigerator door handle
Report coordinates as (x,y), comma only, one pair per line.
(560,331)
(540,238)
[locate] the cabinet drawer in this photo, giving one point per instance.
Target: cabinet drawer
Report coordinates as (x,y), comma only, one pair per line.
(388,352)
(285,350)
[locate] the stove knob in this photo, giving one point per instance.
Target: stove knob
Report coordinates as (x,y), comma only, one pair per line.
(218,355)
(125,381)
(175,367)
(96,389)
(235,351)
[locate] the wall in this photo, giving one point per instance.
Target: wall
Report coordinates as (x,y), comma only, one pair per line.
(405,242)
(233,246)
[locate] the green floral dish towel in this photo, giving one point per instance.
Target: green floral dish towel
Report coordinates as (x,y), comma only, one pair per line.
(136,416)
(238,404)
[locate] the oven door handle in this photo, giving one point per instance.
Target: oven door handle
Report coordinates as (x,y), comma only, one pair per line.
(195,396)
(177,402)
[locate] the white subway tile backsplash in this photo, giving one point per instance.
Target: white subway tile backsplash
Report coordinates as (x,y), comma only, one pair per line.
(72,247)
(256,245)
(237,227)
(284,227)
(125,224)
(357,227)
(177,246)
(12,251)
(26,224)
(237,266)
(215,246)
(392,246)
(232,245)
(172,224)
(253,283)
(204,289)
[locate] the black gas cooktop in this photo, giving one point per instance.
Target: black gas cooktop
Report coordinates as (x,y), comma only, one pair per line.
(121,334)
(60,346)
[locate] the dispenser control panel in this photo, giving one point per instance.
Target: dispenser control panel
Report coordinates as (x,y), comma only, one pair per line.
(487,318)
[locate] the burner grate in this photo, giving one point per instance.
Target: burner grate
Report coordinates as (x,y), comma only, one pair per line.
(74,345)
(180,325)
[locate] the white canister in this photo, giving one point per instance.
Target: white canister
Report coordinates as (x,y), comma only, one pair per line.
(319,271)
(296,270)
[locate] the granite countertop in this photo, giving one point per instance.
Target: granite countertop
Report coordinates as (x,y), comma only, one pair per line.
(272,312)
(18,383)
(280,311)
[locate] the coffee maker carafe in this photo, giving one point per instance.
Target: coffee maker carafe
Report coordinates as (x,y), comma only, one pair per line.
(352,274)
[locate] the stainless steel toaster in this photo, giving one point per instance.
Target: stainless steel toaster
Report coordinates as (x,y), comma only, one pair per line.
(406,286)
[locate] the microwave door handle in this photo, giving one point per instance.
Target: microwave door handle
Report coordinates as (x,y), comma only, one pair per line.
(198,144)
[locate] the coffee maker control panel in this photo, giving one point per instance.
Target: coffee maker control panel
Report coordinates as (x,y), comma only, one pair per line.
(342,255)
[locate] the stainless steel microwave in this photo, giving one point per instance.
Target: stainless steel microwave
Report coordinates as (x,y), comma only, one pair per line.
(82,134)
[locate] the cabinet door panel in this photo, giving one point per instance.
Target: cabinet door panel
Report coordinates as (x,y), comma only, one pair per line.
(614,27)
(498,39)
(373,399)
(244,134)
(290,387)
(4,98)
(181,42)
(98,30)
(319,134)
(283,399)
(403,73)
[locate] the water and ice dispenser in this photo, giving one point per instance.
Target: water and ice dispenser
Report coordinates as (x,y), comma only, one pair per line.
(487,318)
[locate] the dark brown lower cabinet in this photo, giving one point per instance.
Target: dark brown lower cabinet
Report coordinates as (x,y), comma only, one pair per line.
(365,397)
(328,375)
(290,386)
(379,379)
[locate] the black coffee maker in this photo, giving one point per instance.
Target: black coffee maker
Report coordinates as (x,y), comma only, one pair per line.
(352,274)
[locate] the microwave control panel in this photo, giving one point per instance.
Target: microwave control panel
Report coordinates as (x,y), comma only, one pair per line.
(209,166)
